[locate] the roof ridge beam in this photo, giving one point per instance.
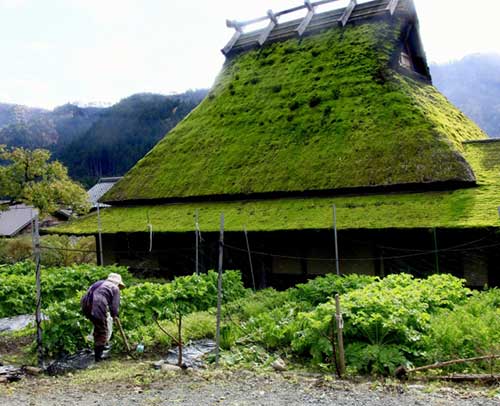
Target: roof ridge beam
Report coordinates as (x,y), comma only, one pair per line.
(307,19)
(267,31)
(392,6)
(347,13)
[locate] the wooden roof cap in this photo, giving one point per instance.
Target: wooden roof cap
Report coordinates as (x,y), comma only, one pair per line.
(311,22)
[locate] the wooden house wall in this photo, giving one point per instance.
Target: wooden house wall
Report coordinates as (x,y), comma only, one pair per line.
(283,259)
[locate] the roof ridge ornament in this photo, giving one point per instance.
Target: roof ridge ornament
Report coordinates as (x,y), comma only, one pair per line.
(307,19)
(272,23)
(347,13)
(392,6)
(309,5)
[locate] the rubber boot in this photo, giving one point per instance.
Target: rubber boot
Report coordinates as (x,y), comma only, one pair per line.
(98,350)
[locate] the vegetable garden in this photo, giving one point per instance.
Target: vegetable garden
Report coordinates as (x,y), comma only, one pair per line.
(397,320)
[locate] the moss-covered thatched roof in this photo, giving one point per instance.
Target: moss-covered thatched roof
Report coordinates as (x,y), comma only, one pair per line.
(321,113)
(463,208)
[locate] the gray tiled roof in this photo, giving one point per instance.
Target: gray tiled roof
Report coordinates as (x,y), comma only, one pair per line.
(99,189)
(15,219)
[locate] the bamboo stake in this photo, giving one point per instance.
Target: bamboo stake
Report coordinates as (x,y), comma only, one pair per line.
(219,289)
(340,338)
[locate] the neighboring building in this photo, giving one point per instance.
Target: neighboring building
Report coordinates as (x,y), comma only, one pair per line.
(16,219)
(333,108)
(99,189)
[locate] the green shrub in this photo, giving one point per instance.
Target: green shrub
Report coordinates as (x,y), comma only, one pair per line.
(61,250)
(322,288)
(394,311)
(255,304)
(18,289)
(469,330)
(57,250)
(66,328)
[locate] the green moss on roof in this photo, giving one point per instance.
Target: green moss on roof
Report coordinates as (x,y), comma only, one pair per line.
(464,208)
(321,113)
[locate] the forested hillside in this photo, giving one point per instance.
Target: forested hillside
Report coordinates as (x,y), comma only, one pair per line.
(473,85)
(95,141)
(22,126)
(124,133)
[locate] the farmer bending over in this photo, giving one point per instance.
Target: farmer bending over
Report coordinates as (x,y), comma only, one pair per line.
(100,305)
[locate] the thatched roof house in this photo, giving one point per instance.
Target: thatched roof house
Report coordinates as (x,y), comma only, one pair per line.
(334,107)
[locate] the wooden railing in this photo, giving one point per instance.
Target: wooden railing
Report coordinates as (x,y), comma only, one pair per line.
(273,17)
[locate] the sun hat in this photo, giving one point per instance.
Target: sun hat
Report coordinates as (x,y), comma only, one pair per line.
(116,278)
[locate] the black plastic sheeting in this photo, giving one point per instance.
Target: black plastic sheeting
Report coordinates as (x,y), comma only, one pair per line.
(81,360)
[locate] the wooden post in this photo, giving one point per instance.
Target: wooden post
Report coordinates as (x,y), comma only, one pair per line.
(38,313)
(100,235)
(436,254)
(179,342)
(340,337)
(335,237)
(249,257)
(197,236)
(219,290)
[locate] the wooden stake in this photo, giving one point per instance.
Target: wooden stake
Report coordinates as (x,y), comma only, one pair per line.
(249,257)
(337,268)
(436,254)
(38,314)
(179,342)
(197,236)
(340,338)
(100,235)
(219,290)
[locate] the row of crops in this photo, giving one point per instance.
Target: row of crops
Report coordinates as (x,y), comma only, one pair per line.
(397,320)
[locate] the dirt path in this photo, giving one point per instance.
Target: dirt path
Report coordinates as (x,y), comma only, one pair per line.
(127,384)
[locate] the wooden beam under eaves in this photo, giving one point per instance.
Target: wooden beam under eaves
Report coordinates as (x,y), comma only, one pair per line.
(392,6)
(347,13)
(267,31)
(307,19)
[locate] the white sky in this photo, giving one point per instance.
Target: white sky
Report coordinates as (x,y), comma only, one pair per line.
(55,51)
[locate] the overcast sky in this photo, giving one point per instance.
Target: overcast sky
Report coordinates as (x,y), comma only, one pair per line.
(57,51)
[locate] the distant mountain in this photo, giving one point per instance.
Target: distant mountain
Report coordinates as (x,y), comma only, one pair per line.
(473,85)
(27,127)
(15,113)
(97,141)
(124,133)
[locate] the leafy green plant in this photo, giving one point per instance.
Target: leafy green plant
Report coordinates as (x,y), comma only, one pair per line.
(389,312)
(374,359)
(468,330)
(321,289)
(17,284)
(66,328)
